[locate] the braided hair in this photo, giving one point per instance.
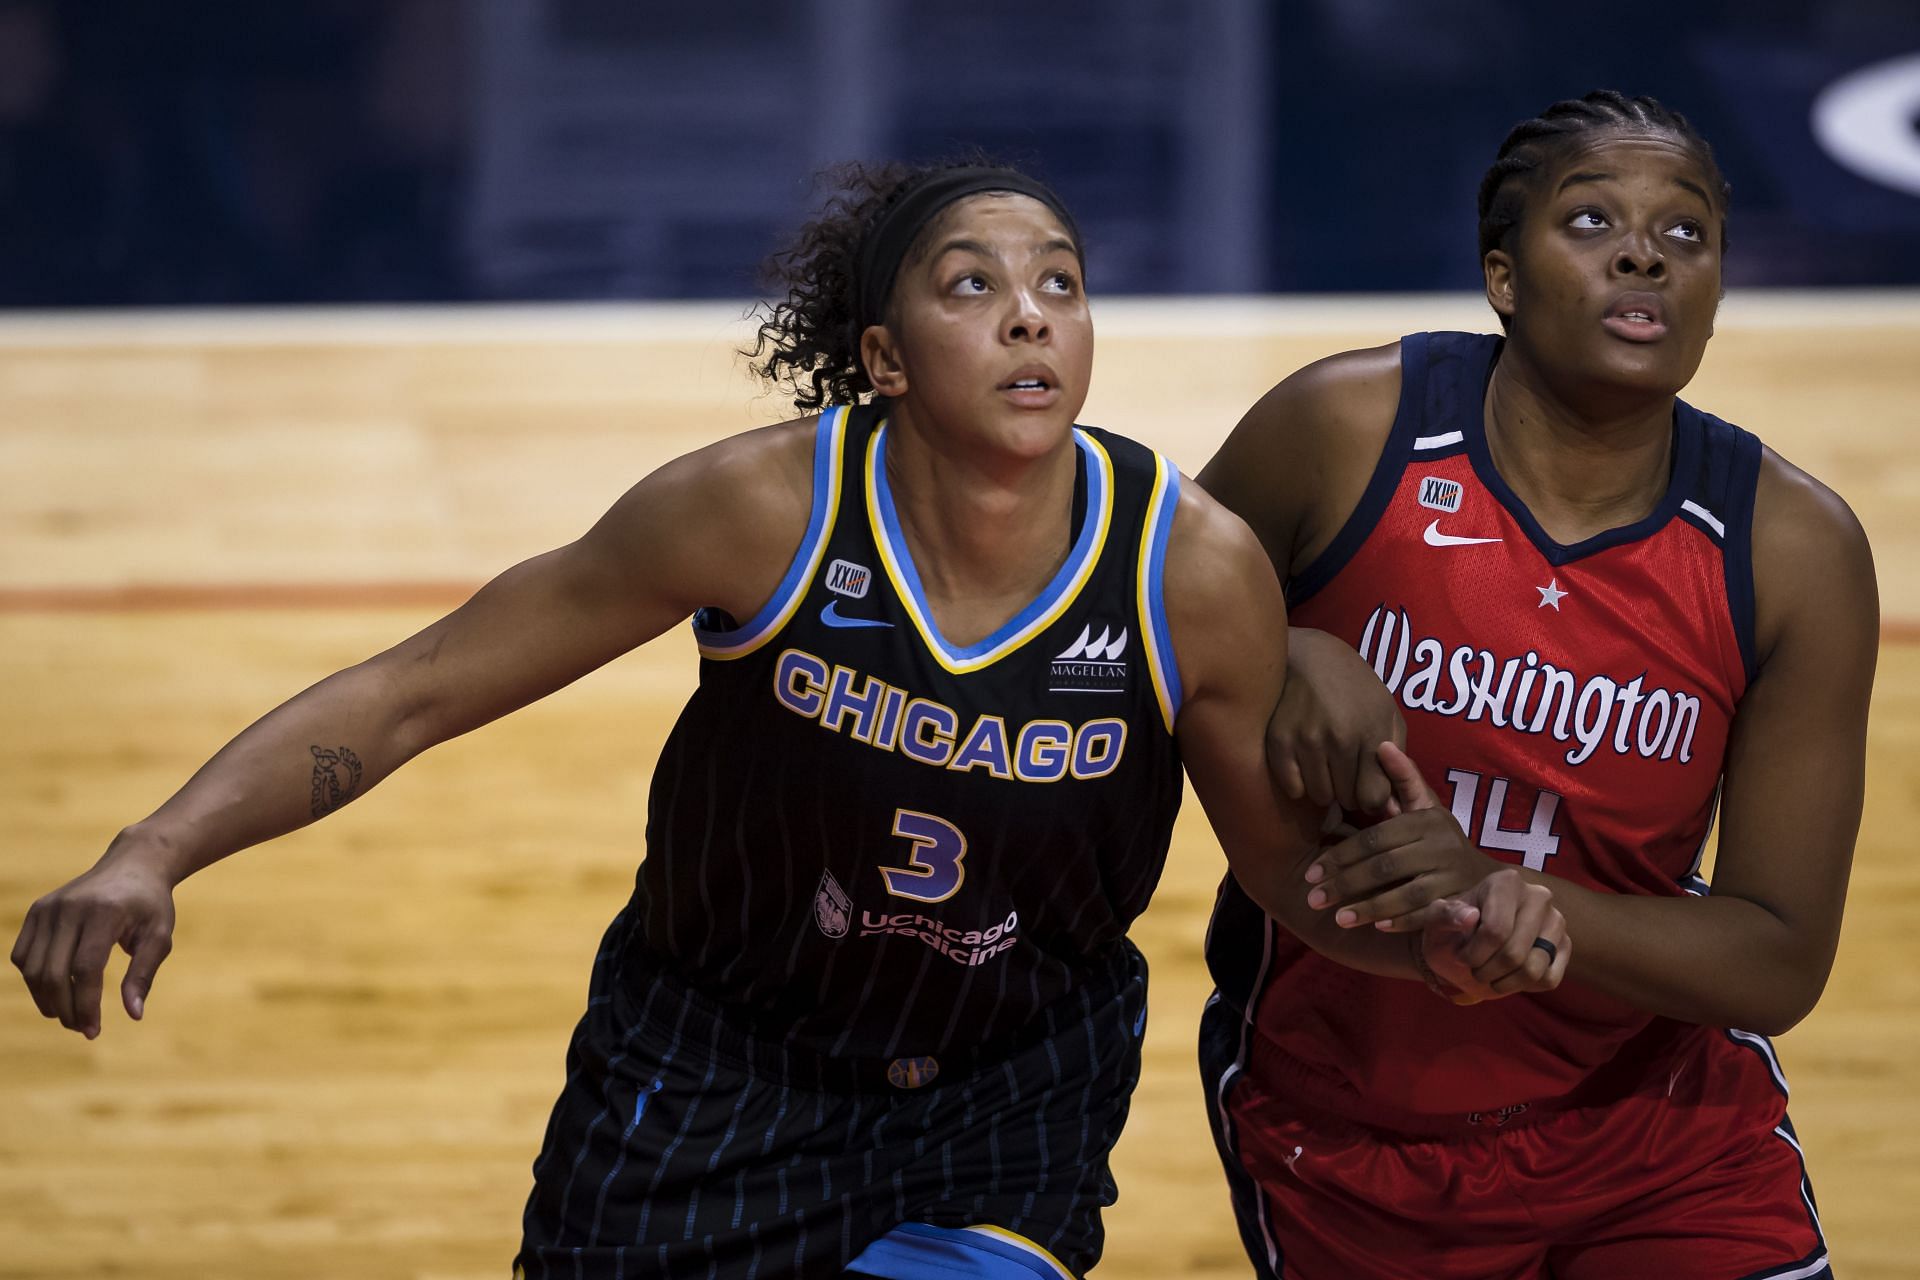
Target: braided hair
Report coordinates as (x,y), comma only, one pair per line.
(809,340)
(1564,125)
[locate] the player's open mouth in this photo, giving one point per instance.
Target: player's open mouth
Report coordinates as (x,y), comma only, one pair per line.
(1033,387)
(1637,317)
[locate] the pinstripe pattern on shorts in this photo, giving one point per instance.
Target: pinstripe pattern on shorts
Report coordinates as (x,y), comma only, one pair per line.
(679,1147)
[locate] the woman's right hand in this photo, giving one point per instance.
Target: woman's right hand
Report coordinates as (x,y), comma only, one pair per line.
(68,935)
(1333,714)
(1503,937)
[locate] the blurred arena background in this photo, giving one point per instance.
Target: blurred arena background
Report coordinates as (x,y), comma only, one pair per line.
(315,314)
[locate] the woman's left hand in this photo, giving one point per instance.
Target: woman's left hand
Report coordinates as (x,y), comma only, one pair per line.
(1333,711)
(1393,874)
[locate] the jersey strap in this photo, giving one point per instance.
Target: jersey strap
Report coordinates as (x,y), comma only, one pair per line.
(1154,532)
(830,437)
(1718,501)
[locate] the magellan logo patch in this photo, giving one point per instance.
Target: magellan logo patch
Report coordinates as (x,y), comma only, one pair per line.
(1440,495)
(832,909)
(1091,664)
(849,579)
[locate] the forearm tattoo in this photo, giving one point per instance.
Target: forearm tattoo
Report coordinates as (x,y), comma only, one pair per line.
(336,778)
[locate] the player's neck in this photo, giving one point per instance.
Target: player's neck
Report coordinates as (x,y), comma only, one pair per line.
(1581,467)
(986,530)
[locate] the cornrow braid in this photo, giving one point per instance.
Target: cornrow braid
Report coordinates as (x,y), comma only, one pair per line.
(1533,143)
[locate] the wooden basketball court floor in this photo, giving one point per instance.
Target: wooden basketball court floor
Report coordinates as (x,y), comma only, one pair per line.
(347,1062)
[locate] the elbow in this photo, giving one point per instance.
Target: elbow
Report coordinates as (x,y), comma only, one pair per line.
(1786,1003)
(1775,1023)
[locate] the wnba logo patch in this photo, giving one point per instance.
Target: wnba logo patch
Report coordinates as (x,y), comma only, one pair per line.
(832,908)
(849,579)
(1091,664)
(911,1073)
(1440,495)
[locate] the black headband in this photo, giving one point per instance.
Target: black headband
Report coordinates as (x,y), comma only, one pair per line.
(886,244)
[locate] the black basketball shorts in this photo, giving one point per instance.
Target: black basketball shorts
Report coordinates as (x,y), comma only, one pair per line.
(682,1147)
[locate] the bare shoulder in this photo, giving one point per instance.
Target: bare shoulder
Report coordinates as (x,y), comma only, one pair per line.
(1223,598)
(733,512)
(1812,564)
(1297,463)
(1349,392)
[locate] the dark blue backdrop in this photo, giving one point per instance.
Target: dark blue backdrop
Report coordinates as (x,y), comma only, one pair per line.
(416,150)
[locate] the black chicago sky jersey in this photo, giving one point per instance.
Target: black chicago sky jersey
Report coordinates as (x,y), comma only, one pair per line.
(869,841)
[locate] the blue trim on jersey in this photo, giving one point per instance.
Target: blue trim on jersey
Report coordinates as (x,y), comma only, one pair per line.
(1162,664)
(1053,599)
(1687,443)
(829,435)
(916,1249)
(1384,483)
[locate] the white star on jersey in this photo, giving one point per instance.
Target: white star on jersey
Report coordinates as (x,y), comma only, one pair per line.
(1551,594)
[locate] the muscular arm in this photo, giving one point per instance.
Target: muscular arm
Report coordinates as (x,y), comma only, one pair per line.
(1229,622)
(1755,954)
(1294,469)
(716,527)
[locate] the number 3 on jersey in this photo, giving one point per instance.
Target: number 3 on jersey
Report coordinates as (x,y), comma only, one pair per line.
(1535,845)
(933,872)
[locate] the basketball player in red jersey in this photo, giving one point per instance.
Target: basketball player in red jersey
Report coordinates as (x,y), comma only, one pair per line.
(1602,614)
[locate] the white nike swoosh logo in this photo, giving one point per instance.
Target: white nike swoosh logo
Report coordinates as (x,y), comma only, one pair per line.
(1435,538)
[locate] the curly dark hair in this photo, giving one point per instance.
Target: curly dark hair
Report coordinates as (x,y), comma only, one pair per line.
(809,340)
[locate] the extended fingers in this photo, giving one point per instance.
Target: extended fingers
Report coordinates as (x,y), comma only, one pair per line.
(1362,846)
(1421,909)
(1387,853)
(1400,899)
(1409,788)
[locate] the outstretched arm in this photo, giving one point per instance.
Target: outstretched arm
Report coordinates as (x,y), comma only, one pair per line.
(713,528)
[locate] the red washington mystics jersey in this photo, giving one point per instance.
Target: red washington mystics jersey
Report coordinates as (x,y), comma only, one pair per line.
(1571,704)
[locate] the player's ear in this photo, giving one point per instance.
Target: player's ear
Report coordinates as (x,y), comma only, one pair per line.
(1497,267)
(880,353)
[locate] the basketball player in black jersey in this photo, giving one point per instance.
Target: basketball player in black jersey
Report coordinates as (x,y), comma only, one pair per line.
(872,1007)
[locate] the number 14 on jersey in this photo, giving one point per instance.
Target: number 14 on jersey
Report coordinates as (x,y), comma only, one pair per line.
(1535,844)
